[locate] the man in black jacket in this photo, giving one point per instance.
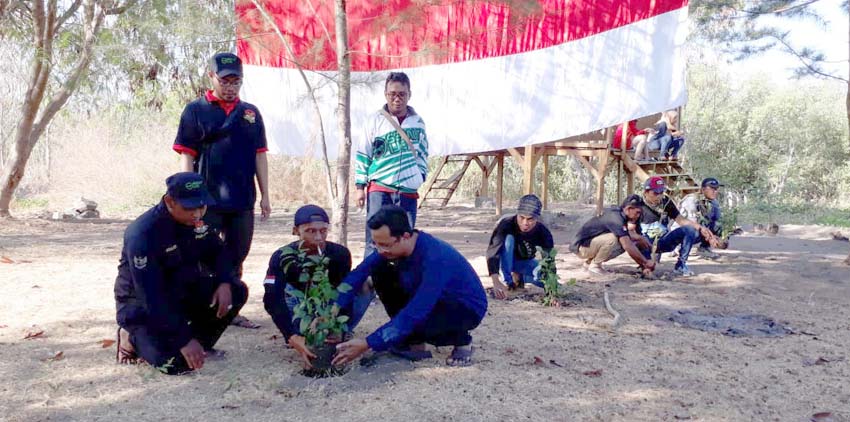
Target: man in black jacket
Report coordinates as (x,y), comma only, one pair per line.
(176,290)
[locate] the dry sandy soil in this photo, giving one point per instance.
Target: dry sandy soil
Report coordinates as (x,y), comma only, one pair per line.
(533,363)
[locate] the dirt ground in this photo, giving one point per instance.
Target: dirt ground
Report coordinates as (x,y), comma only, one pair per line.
(533,363)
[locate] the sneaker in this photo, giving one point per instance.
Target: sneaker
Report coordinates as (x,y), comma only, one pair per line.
(682,271)
(597,269)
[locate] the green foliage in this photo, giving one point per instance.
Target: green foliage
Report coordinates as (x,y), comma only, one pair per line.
(317,309)
(764,141)
(548,274)
(728,221)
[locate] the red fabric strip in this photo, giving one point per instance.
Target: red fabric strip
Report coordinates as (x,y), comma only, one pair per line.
(392,34)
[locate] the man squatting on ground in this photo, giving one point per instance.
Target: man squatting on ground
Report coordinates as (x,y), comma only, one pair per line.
(224,140)
(658,211)
(607,236)
(177,287)
(703,208)
(391,160)
(513,245)
(311,227)
(429,290)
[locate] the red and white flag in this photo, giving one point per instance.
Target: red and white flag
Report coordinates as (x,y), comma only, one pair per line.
(484,75)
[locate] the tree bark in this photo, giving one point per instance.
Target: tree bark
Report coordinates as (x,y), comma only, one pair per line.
(343,168)
(31,125)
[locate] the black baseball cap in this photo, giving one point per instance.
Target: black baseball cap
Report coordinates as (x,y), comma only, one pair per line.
(310,214)
(632,200)
(189,190)
(711,182)
(226,64)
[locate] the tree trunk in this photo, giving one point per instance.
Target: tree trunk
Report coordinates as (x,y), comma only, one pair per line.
(343,168)
(45,28)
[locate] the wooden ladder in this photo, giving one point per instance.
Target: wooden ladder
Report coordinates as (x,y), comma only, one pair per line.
(446,185)
(679,182)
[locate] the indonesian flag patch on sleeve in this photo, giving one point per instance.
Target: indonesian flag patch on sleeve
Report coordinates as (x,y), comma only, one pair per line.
(269,279)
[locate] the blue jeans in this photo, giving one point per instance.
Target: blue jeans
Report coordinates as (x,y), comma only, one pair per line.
(685,236)
(376,200)
(358,307)
(528,269)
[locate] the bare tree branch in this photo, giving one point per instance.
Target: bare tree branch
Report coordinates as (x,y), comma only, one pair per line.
(810,67)
(71,11)
(330,185)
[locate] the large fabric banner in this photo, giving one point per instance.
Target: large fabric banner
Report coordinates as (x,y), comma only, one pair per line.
(484,75)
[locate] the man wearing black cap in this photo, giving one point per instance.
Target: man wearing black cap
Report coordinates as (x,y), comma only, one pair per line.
(284,275)
(658,212)
(177,287)
(224,140)
(608,235)
(514,244)
(703,208)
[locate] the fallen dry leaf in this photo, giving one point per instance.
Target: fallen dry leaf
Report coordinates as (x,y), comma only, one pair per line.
(509,351)
(274,337)
(229,406)
(56,356)
(822,417)
(593,374)
(106,342)
(34,334)
(538,361)
(821,360)
(552,361)
(6,260)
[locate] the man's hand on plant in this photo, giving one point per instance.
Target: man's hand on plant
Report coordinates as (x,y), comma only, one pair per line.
(649,265)
(222,298)
(360,197)
(500,291)
(193,352)
(298,343)
(350,350)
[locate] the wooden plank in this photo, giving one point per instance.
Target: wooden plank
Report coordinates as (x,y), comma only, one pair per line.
(544,190)
(484,189)
(478,161)
(528,171)
(517,156)
(500,178)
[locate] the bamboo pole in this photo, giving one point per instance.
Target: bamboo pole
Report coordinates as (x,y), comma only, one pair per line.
(528,171)
(544,191)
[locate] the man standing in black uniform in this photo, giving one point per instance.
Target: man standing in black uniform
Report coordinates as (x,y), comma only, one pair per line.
(224,140)
(177,288)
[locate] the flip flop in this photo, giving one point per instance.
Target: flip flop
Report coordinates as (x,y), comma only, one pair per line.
(243,322)
(122,355)
(411,355)
(460,357)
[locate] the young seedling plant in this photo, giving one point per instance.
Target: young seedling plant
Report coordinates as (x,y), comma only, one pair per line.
(319,317)
(548,275)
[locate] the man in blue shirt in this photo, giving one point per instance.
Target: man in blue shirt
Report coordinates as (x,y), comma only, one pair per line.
(177,288)
(429,290)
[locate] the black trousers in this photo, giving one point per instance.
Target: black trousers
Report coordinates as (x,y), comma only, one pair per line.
(163,352)
(237,229)
(448,324)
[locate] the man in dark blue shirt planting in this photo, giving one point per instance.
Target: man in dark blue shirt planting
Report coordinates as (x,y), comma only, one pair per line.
(429,290)
(177,287)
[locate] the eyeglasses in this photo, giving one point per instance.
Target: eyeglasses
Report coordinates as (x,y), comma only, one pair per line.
(235,83)
(400,95)
(384,247)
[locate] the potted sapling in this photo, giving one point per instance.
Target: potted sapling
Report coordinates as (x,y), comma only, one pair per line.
(317,315)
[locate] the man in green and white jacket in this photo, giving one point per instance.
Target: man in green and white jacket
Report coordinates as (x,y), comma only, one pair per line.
(390,166)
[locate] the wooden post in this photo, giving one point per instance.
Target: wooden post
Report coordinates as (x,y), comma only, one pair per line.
(528,170)
(601,169)
(544,190)
(500,177)
(630,183)
(620,172)
(484,190)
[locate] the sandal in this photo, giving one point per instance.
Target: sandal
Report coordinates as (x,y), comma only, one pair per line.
(122,355)
(243,322)
(461,356)
(411,355)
